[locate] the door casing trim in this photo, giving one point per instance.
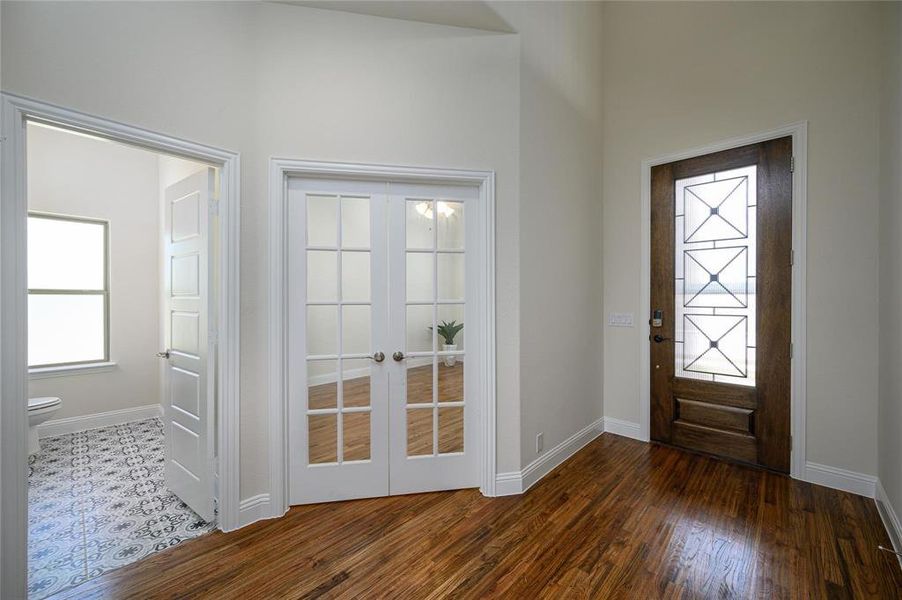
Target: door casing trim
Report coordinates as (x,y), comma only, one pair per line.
(13,299)
(798,412)
(279,171)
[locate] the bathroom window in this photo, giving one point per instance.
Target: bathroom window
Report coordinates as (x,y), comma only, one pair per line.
(68,290)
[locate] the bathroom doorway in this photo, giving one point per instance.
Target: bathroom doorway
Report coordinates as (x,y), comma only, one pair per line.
(124,420)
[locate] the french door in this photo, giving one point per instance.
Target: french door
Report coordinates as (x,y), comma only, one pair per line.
(721,282)
(379,276)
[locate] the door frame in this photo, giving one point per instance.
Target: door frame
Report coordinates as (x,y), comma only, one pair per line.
(798,415)
(16,110)
(279,172)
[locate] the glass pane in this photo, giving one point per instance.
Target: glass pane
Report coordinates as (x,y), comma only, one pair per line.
(355,276)
(419,277)
(450,276)
(355,329)
(419,382)
(450,327)
(451,379)
(323,438)
(419,332)
(65,255)
(356,382)
(355,222)
(715,276)
(322,330)
(322,220)
(322,384)
(419,224)
(451,225)
(451,429)
(65,328)
(356,436)
(322,276)
(419,431)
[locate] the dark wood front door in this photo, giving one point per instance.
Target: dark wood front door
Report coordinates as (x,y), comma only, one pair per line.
(721,281)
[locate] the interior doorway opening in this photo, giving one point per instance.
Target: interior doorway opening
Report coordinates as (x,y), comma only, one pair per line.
(119,285)
(118,311)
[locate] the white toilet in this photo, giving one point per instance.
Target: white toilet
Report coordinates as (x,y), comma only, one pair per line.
(39,410)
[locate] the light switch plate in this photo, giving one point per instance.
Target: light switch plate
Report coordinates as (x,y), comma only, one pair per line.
(620,319)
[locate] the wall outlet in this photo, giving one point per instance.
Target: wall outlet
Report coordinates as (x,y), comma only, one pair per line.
(540,442)
(620,319)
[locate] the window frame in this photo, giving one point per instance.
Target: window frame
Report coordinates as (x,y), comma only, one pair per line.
(105,292)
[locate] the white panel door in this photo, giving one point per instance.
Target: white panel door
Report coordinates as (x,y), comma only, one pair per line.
(434,273)
(188,404)
(337,375)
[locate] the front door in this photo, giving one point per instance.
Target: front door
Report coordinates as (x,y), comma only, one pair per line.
(377,280)
(721,277)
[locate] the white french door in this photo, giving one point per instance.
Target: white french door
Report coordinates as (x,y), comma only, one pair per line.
(378,400)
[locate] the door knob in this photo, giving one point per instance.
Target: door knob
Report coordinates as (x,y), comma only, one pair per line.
(660,338)
(398,356)
(164,354)
(378,356)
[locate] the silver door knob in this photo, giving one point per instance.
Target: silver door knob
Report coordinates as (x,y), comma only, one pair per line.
(398,356)
(164,354)
(378,356)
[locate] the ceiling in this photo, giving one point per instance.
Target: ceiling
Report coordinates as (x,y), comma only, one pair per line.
(474,14)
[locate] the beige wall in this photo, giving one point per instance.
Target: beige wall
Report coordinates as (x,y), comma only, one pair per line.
(560,213)
(276,80)
(890,415)
(80,176)
(683,75)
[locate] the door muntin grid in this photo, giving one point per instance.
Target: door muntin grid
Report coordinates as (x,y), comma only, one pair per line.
(339,329)
(715,276)
(435,294)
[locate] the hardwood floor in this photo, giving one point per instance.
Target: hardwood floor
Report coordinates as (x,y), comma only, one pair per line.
(621,519)
(420,422)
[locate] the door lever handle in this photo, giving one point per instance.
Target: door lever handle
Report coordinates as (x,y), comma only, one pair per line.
(660,338)
(164,354)
(398,356)
(378,356)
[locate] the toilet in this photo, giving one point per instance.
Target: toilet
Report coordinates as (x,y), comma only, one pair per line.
(39,410)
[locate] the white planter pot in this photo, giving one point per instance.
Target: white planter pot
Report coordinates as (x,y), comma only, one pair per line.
(449,361)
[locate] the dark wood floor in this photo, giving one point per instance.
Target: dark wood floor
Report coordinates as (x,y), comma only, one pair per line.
(621,519)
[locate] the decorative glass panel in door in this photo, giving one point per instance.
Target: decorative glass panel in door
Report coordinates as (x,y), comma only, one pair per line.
(715,233)
(431,271)
(337,308)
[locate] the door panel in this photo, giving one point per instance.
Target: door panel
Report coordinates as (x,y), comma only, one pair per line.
(338,385)
(721,279)
(188,410)
(432,402)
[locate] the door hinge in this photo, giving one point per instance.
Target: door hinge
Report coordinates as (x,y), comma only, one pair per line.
(214,206)
(792,257)
(792,164)
(212,336)
(791,350)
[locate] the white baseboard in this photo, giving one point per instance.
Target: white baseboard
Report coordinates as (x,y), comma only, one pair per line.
(253,509)
(508,484)
(841,479)
(890,519)
(623,428)
(105,419)
(350,374)
(517,482)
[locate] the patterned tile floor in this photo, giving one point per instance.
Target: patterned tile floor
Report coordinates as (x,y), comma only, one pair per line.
(97,501)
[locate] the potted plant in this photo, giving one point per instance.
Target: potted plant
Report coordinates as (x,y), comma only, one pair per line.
(448,331)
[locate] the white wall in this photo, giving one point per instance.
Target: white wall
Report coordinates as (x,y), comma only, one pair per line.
(560,219)
(88,177)
(890,413)
(680,75)
(276,80)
